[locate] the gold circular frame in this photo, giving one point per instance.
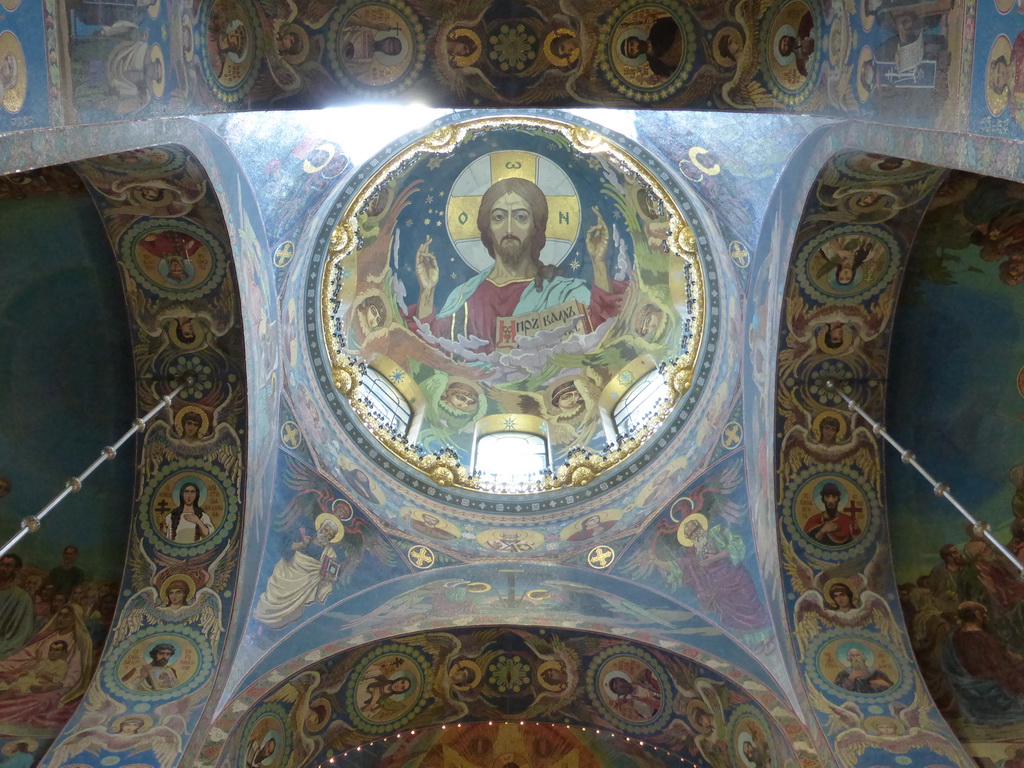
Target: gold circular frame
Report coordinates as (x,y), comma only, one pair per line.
(444,468)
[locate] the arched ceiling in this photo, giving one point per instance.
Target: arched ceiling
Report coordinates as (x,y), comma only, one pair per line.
(772,195)
(657,589)
(350,700)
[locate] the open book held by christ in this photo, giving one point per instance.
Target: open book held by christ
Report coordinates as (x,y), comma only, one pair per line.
(572,315)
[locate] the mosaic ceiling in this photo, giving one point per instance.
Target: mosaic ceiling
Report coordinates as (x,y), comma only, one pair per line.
(715,582)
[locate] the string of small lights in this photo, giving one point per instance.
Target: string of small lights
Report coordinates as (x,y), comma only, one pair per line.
(355,755)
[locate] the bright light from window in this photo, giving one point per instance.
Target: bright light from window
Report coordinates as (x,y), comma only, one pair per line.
(364,130)
(639,402)
(620,120)
(387,402)
(511,457)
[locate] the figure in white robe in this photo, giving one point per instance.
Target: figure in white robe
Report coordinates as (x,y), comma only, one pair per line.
(304,578)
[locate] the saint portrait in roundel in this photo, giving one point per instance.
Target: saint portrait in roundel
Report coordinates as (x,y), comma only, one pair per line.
(649,47)
(793,46)
(13,74)
(375,45)
(858,666)
(831,512)
(266,744)
(434,526)
(631,688)
(849,264)
(159,663)
(592,526)
(999,76)
(388,688)
(188,506)
(752,745)
(174,257)
(231,43)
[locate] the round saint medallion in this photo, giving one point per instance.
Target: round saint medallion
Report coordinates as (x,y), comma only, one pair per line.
(377,48)
(649,49)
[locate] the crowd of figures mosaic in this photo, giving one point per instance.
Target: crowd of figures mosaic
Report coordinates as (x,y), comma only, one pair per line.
(961,599)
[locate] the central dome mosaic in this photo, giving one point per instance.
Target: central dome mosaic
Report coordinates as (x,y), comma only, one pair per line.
(512,304)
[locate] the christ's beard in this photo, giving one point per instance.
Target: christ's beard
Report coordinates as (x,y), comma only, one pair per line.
(513,252)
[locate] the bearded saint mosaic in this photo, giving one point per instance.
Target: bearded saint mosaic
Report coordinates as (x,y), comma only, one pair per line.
(509,267)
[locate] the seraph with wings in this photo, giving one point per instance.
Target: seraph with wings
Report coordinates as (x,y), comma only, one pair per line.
(904,729)
(805,327)
(743,91)
(825,438)
(206,576)
(294,58)
(165,443)
(826,601)
(160,325)
(108,727)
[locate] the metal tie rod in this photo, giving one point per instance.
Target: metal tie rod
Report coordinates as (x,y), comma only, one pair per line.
(31,523)
(941,490)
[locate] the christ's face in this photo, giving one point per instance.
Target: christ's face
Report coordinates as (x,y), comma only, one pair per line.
(511,224)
